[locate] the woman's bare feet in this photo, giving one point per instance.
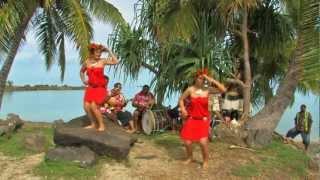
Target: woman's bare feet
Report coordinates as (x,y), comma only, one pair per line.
(131,131)
(100,129)
(91,126)
(205,165)
(188,161)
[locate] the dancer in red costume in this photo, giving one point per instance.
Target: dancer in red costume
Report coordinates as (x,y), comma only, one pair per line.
(96,92)
(197,116)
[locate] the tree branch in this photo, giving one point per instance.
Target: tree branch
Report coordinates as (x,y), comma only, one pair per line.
(151,68)
(236,81)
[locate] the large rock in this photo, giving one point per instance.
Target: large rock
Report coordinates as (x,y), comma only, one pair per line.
(232,136)
(113,142)
(82,155)
(10,125)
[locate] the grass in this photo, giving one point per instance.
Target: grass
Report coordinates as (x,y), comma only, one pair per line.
(13,146)
(249,170)
(64,170)
(276,157)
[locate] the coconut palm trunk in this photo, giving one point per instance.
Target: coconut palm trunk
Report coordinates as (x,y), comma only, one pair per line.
(14,46)
(247,68)
(262,125)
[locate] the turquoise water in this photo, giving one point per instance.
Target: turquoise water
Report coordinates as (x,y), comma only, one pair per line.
(48,106)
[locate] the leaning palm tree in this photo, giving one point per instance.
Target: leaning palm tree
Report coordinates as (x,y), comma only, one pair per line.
(53,21)
(304,66)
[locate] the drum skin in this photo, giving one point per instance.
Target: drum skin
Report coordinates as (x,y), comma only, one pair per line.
(155,121)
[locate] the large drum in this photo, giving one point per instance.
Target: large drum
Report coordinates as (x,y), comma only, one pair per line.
(154,121)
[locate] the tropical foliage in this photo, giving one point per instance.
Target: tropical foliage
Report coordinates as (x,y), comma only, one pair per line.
(54,22)
(272,44)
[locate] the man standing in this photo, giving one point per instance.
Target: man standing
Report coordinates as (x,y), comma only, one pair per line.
(142,101)
(303,122)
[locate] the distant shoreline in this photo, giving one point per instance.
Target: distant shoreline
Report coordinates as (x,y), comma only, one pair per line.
(42,87)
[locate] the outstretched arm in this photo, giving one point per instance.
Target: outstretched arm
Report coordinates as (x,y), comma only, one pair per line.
(219,85)
(111,60)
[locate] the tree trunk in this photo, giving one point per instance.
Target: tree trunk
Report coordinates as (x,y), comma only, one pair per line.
(247,68)
(14,46)
(260,128)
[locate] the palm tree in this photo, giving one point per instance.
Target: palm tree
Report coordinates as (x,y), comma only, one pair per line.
(53,20)
(287,43)
(304,66)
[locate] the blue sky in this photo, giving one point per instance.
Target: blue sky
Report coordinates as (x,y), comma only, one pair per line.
(29,66)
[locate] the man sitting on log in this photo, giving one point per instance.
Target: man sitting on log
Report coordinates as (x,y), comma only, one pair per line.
(142,101)
(113,108)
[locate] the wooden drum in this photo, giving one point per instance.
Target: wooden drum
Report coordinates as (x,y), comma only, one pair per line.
(154,121)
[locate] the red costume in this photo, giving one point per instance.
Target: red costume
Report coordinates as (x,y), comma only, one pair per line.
(96,90)
(198,120)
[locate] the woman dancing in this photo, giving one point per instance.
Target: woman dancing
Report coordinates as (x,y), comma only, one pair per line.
(96,92)
(196,126)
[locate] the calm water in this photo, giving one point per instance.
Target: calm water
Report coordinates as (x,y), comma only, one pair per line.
(52,105)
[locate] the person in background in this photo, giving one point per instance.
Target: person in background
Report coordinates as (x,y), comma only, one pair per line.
(142,101)
(95,91)
(303,122)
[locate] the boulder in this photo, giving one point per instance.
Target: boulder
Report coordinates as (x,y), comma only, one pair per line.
(82,155)
(113,142)
(14,121)
(10,125)
(57,123)
(232,136)
(35,142)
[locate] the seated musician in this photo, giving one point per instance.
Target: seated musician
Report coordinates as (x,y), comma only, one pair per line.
(114,105)
(142,101)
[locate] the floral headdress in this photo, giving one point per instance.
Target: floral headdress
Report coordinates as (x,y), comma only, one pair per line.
(200,72)
(94,46)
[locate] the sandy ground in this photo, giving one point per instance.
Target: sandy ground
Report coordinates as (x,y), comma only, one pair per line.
(19,169)
(149,161)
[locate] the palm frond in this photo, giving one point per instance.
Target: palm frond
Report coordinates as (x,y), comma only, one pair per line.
(11,16)
(78,25)
(46,34)
(104,11)
(62,55)
(311,40)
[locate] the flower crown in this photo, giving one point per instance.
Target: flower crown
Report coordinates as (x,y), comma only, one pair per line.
(201,72)
(94,46)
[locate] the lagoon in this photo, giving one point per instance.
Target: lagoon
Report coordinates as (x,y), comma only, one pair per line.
(47,106)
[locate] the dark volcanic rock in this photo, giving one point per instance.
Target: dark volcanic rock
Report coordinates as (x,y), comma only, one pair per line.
(14,121)
(10,125)
(82,155)
(113,142)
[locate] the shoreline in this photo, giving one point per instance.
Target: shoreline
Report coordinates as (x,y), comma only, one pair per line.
(44,87)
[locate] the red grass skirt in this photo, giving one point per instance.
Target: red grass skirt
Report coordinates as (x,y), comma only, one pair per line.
(95,94)
(194,130)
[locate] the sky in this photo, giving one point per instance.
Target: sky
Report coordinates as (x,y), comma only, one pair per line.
(29,65)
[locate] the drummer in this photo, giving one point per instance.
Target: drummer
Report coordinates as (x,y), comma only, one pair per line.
(142,101)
